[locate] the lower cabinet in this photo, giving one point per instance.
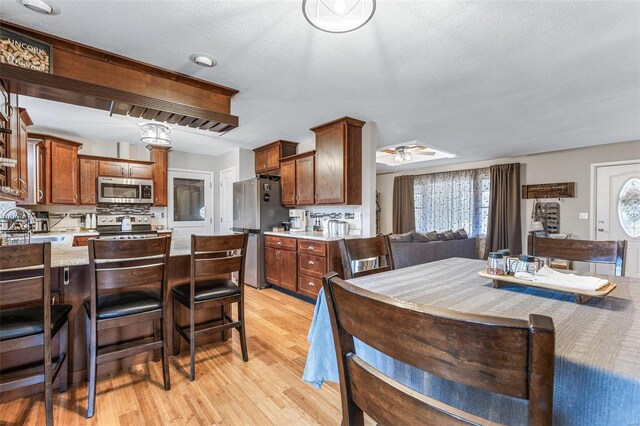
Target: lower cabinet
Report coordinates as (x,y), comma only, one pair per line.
(298,265)
(280,263)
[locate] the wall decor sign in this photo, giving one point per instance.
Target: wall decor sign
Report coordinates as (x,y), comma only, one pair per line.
(25,52)
(549,190)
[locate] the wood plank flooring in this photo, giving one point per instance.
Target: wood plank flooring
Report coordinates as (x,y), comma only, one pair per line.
(266,390)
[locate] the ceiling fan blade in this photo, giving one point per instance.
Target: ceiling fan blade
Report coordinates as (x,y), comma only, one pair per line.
(423,153)
(389,151)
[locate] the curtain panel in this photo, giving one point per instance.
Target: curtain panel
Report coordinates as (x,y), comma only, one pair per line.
(504,229)
(452,200)
(403,205)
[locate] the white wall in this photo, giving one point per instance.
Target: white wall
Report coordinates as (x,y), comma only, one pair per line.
(573,165)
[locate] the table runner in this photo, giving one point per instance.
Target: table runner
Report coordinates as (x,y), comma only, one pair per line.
(597,365)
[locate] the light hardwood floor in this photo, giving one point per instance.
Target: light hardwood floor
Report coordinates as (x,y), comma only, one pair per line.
(266,390)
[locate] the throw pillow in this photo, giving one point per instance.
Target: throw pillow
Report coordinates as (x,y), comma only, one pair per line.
(461,234)
(401,238)
(425,237)
(447,236)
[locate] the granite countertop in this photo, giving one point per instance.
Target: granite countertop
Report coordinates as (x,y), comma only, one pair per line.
(319,236)
(64,254)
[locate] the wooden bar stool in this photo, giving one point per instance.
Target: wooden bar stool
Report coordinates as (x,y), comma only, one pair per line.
(211,256)
(25,278)
(120,265)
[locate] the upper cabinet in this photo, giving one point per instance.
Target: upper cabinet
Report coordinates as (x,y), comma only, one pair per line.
(14,122)
(160,158)
(124,169)
(268,157)
(88,180)
(61,171)
(338,162)
(297,177)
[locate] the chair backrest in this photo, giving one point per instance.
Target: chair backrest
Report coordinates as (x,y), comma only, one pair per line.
(505,356)
(119,264)
(216,255)
(366,248)
(580,251)
(25,274)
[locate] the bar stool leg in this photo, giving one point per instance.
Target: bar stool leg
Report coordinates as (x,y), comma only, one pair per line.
(63,373)
(48,388)
(243,337)
(92,367)
(157,335)
(192,342)
(176,317)
(165,354)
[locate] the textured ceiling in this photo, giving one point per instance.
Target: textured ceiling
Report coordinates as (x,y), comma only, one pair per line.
(481,79)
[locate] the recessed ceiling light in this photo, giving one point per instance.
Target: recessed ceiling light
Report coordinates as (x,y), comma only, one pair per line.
(39,6)
(203,60)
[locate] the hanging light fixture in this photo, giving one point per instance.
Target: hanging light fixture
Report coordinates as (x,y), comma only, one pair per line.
(338,16)
(155,133)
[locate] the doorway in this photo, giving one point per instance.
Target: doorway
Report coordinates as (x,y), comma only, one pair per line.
(617,210)
(190,202)
(227,178)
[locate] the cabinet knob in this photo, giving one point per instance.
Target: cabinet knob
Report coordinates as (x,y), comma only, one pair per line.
(279,242)
(310,248)
(311,262)
(311,284)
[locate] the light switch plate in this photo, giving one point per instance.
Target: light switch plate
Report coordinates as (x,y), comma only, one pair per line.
(583,216)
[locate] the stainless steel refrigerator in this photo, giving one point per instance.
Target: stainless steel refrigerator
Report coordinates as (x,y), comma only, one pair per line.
(256,208)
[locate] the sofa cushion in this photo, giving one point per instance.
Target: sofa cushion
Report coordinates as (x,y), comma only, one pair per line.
(424,237)
(447,236)
(401,238)
(461,234)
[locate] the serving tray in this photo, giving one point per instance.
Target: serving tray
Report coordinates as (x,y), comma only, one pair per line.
(582,296)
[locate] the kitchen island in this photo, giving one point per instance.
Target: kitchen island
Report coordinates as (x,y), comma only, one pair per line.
(70,284)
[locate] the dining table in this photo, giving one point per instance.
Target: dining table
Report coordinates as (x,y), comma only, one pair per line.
(597,344)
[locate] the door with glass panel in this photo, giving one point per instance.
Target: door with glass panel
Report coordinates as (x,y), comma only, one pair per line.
(618,211)
(190,202)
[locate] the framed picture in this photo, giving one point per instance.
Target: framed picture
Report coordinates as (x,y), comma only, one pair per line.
(25,52)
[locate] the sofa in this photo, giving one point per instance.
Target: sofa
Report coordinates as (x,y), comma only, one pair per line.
(409,253)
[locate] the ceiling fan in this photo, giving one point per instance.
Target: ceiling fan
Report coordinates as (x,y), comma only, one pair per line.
(403,153)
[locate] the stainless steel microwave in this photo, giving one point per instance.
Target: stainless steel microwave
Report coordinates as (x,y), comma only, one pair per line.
(125,191)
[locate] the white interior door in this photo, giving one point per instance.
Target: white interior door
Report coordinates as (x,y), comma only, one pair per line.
(190,202)
(618,211)
(227,177)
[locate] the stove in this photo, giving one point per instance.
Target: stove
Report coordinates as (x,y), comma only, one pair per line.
(109,227)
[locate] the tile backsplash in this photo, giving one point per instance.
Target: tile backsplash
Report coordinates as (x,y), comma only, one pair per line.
(350,214)
(5,206)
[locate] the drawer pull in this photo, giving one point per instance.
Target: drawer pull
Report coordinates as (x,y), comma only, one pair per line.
(279,242)
(310,248)
(311,284)
(311,262)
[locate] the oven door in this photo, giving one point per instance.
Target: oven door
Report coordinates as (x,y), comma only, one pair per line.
(116,190)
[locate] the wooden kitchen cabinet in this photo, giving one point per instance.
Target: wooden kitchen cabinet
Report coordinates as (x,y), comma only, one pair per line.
(61,171)
(280,262)
(297,179)
(88,180)
(125,169)
(338,162)
(268,156)
(160,158)
(113,168)
(15,147)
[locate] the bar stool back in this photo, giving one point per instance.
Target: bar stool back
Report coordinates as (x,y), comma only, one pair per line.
(25,279)
(116,268)
(212,256)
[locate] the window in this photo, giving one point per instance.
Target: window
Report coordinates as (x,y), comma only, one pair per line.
(452,200)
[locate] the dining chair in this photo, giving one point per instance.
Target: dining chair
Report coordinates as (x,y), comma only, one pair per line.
(31,321)
(128,286)
(211,257)
(505,356)
(378,248)
(611,252)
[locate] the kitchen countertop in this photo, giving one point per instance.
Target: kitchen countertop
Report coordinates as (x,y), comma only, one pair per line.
(319,236)
(64,254)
